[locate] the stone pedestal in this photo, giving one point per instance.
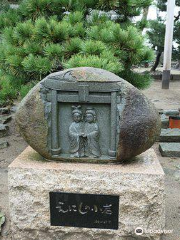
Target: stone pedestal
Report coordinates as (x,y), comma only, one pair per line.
(139,184)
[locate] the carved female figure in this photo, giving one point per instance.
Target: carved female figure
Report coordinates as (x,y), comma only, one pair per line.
(76,132)
(91,132)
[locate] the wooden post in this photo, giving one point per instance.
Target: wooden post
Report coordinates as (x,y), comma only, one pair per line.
(168,44)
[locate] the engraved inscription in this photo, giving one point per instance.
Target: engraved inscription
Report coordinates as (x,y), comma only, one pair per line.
(84,133)
(84,210)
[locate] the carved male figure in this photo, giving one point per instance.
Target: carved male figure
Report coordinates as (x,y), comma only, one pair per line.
(91,132)
(76,132)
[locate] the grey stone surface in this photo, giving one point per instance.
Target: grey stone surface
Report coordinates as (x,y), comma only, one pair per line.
(164,121)
(13,109)
(170,135)
(170,149)
(172,112)
(4,110)
(128,122)
(140,186)
(5,119)
(177,175)
(31,121)
(4,130)
(3,144)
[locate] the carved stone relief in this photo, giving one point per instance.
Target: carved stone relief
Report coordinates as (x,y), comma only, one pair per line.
(84,133)
(83,119)
(114,121)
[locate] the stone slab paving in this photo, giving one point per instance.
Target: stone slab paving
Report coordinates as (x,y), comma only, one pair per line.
(171,112)
(170,135)
(170,149)
(164,121)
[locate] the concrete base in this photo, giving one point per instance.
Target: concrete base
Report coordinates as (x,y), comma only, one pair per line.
(139,184)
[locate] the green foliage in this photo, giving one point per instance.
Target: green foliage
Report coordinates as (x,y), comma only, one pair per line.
(142,80)
(43,37)
(176,51)
(26,88)
(9,18)
(4,5)
(156,34)
(93,47)
(52,51)
(162,4)
(94,61)
(72,46)
(37,65)
(142,24)
(125,9)
(7,91)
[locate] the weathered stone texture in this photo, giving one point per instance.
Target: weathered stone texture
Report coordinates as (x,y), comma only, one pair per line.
(3,144)
(5,119)
(164,121)
(138,121)
(172,112)
(140,186)
(140,125)
(4,130)
(31,121)
(4,110)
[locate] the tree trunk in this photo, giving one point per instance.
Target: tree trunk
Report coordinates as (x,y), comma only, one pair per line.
(145,13)
(158,56)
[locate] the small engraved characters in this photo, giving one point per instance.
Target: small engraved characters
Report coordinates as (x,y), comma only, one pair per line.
(83,208)
(84,134)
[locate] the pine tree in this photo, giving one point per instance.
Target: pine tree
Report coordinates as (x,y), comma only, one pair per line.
(46,36)
(156,34)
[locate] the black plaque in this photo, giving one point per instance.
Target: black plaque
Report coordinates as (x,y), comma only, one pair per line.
(84,210)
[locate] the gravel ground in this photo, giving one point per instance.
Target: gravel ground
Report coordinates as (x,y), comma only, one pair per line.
(163,99)
(169,99)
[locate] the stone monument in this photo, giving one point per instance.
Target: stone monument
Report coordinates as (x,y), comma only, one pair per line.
(88,173)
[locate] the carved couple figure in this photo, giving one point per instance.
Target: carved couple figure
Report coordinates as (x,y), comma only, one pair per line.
(84,134)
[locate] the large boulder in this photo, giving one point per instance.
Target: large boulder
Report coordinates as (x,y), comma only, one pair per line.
(45,115)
